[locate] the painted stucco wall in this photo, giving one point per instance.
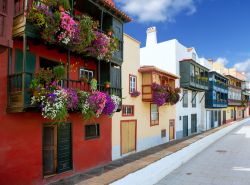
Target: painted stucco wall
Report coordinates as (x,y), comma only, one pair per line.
(147,136)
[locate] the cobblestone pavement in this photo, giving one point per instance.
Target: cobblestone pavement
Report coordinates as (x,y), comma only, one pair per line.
(226,162)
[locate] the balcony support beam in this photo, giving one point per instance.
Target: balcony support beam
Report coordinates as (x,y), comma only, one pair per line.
(196,92)
(202,97)
(182,96)
(99,77)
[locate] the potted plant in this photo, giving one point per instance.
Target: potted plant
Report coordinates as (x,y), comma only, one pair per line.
(59,72)
(135,93)
(63,5)
(107,84)
(110,32)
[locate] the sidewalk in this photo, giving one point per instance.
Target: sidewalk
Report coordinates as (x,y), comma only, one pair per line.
(120,168)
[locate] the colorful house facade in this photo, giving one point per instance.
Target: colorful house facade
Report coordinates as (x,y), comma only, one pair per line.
(182,61)
(216,100)
(72,145)
(141,124)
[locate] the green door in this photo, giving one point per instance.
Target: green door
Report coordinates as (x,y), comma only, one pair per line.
(185,126)
(193,123)
(64,147)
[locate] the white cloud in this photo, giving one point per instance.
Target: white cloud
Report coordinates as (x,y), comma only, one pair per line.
(244,67)
(222,61)
(156,10)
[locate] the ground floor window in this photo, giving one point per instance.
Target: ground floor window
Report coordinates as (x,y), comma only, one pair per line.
(57,148)
(92,131)
(154,114)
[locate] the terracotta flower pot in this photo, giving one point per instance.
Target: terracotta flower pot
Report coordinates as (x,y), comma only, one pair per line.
(107,86)
(61,8)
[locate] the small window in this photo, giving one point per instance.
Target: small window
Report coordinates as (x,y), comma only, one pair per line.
(127,110)
(194,99)
(92,131)
(185,98)
(85,73)
(154,111)
(163,133)
(132,83)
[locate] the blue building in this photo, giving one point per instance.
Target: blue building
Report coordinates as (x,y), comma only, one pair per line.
(216,99)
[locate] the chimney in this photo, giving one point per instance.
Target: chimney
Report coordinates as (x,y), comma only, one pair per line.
(151,36)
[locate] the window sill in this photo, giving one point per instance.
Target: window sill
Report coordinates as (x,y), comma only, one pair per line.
(90,138)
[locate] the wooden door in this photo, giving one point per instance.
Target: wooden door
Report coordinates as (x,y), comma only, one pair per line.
(171,129)
(185,126)
(128,136)
(193,123)
(49,150)
(224,117)
(219,118)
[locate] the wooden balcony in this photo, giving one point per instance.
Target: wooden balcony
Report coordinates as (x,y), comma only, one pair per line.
(150,75)
(232,102)
(193,76)
(19,93)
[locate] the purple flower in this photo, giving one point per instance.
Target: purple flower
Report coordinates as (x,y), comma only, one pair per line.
(97,101)
(52,97)
(109,106)
(72,99)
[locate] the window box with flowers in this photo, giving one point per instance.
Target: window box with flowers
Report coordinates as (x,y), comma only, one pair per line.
(59,28)
(135,93)
(55,102)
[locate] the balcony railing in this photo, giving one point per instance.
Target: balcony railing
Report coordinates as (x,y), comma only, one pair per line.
(234,102)
(19,93)
(198,83)
(219,103)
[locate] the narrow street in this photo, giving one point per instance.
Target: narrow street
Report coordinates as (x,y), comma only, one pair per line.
(226,162)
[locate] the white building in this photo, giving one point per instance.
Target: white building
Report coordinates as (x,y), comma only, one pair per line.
(167,56)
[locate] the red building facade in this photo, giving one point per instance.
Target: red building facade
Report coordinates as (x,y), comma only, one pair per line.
(34,150)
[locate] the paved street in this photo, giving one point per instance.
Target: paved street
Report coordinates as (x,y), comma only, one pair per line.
(226,162)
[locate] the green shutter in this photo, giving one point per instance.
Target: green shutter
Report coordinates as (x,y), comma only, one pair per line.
(18,66)
(64,147)
(30,68)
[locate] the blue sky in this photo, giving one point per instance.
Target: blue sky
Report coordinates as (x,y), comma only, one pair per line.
(218,29)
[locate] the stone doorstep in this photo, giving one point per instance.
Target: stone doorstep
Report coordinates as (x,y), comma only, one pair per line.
(120,168)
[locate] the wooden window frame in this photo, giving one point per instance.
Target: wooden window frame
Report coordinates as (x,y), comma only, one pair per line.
(151,121)
(97,132)
(128,115)
(132,76)
(86,70)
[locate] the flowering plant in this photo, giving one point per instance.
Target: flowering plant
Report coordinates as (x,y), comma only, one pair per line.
(53,104)
(117,101)
(135,93)
(99,47)
(159,94)
(69,30)
(97,101)
(163,94)
(72,99)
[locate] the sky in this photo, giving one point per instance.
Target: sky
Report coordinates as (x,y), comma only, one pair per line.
(217,29)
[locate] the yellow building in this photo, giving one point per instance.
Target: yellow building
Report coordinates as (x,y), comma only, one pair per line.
(141,124)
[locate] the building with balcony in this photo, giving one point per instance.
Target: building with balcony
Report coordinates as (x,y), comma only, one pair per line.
(177,59)
(216,99)
(235,109)
(141,124)
(57,150)
(245,96)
